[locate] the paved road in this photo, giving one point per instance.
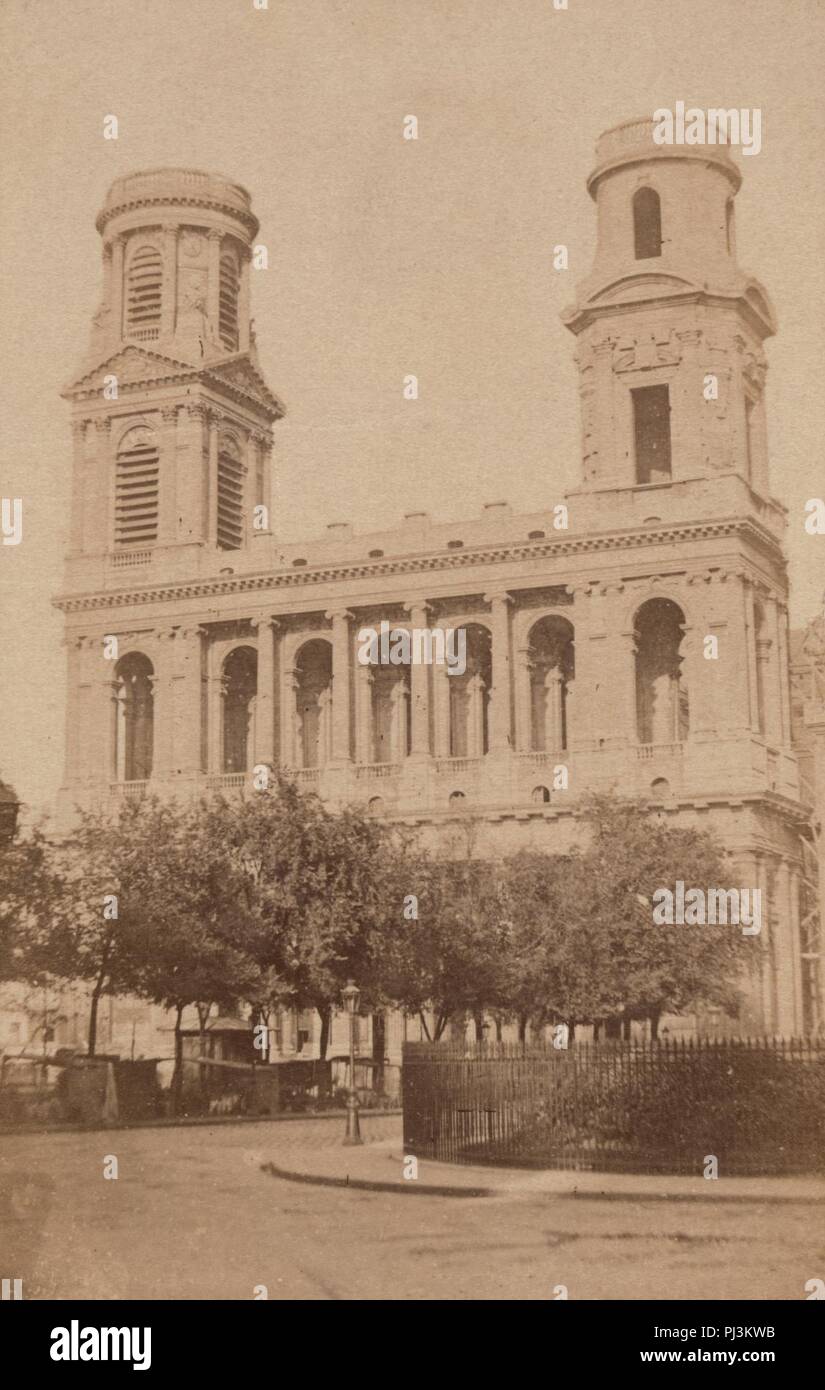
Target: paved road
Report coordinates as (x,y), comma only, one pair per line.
(191,1216)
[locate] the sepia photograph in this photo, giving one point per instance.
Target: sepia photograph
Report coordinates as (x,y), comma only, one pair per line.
(412,586)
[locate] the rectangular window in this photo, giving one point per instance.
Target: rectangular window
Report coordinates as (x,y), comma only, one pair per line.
(651,432)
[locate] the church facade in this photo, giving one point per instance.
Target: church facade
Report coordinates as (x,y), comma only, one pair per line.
(633,635)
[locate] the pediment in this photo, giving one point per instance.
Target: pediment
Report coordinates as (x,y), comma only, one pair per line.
(132,366)
(238,378)
(634,287)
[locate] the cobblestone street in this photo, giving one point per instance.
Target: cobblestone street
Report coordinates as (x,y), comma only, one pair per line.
(192,1216)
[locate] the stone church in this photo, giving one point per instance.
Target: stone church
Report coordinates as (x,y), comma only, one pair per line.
(588,625)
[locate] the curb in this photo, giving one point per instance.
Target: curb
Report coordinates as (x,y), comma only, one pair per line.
(375,1185)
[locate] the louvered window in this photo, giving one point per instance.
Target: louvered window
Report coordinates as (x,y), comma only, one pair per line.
(230,496)
(136,489)
(228,306)
(143,293)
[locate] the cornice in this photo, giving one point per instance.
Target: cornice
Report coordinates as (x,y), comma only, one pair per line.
(182,200)
(440,561)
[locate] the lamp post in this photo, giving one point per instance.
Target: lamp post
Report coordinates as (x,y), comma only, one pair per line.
(351,995)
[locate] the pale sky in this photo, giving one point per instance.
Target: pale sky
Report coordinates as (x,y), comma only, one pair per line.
(386,256)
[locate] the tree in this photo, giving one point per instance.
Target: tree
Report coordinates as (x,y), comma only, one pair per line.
(318,893)
(586,940)
(451,958)
(30,890)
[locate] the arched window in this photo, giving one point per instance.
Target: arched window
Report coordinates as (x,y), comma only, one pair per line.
(390,710)
(230,495)
(470,696)
(228,289)
(552,671)
(313,703)
(540,795)
(240,675)
(457,799)
(144,287)
(661,693)
(647,224)
(134,718)
(136,488)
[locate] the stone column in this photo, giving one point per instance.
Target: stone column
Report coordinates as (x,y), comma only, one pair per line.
(289,718)
(79,504)
(733,671)
(341,650)
(523,700)
(162,709)
(398,698)
(784,669)
(611,457)
(363,714)
(212,489)
(769,946)
(187,701)
(243,298)
(752,656)
(118,243)
(215,696)
(697,679)
(266,628)
(167,501)
(419,688)
(441,691)
(170,280)
(73,770)
(475,717)
(214,283)
(500,736)
(778,671)
(100,526)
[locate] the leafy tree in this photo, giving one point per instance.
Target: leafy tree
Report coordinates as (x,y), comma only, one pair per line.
(30,890)
(318,893)
(451,959)
(587,943)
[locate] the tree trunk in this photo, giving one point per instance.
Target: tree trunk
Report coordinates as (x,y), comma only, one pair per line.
(424,1025)
(204,1076)
(177,1075)
(440,1025)
(96,996)
(379,1047)
(93,1008)
(654,1025)
(522,1028)
(325,1014)
(478,1020)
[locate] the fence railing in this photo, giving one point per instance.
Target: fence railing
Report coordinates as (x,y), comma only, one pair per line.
(755,1106)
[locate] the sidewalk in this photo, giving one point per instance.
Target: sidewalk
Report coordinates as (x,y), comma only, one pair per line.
(380,1163)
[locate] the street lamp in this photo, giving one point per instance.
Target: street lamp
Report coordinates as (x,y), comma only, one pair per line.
(351,996)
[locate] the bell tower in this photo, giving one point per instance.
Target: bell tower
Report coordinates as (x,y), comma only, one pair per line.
(171,416)
(669,328)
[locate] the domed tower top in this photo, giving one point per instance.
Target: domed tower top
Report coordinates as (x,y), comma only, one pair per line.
(177,245)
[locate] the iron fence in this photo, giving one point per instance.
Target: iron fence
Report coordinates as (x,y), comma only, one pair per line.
(756,1106)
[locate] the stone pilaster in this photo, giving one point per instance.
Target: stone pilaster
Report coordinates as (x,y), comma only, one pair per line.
(500,733)
(341,662)
(266,628)
(419,688)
